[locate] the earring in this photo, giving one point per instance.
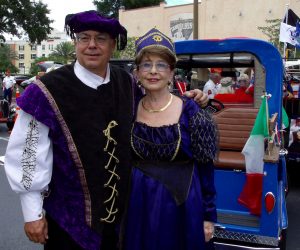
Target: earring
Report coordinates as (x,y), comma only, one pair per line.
(139,83)
(170,84)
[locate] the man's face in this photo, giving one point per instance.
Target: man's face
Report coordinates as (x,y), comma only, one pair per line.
(93,50)
(216,78)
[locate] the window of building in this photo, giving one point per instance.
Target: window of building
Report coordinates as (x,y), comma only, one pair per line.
(43,47)
(50,46)
(33,47)
(43,55)
(21,65)
(21,47)
(33,56)
(21,56)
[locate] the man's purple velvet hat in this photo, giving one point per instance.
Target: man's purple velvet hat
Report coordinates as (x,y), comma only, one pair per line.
(154,38)
(93,20)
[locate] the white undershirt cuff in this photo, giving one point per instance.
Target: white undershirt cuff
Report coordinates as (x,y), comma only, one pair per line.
(32,205)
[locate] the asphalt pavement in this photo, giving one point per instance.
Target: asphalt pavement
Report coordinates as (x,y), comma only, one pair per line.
(293,205)
(12,236)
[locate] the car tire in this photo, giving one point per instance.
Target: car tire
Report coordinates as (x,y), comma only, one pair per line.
(282,243)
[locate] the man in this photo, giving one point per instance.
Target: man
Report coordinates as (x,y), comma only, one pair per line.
(8,85)
(69,151)
(212,85)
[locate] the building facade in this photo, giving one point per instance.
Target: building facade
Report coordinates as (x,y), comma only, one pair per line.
(216,18)
(27,53)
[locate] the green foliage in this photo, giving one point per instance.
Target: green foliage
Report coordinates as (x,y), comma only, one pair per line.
(128,52)
(64,52)
(6,56)
(272,31)
(24,16)
(111,7)
(134,4)
(108,7)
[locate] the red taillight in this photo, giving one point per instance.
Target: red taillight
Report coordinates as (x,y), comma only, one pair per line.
(270,202)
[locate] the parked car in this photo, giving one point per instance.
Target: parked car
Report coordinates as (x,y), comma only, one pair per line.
(21,78)
(46,66)
(126,64)
(238,227)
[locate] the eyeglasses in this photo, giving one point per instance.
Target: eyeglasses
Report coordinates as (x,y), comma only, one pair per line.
(99,40)
(160,66)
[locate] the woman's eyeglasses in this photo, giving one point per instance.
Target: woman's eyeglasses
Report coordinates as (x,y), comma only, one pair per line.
(160,66)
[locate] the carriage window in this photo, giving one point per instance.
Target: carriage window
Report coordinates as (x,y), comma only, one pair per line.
(236,79)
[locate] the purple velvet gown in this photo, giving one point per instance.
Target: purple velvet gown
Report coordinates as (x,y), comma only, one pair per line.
(155,221)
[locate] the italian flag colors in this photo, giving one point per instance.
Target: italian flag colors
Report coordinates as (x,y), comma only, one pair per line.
(254,153)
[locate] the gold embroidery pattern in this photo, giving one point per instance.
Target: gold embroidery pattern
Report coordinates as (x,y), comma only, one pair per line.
(132,144)
(157,38)
(149,143)
(178,142)
(111,166)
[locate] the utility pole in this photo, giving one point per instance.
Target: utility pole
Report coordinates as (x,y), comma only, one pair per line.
(195,21)
(285,53)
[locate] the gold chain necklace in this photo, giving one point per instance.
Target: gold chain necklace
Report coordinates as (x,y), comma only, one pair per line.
(158,110)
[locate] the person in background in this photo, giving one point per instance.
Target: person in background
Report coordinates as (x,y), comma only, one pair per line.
(173,141)
(226,86)
(69,152)
(8,86)
(243,94)
(180,85)
(212,86)
(245,91)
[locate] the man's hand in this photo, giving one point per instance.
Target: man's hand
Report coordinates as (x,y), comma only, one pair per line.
(199,97)
(208,230)
(37,231)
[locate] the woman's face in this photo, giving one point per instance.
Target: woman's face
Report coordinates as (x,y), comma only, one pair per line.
(154,73)
(244,83)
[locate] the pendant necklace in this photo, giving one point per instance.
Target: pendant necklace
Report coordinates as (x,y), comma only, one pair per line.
(158,110)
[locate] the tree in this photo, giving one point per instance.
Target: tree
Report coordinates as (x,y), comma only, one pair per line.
(7,55)
(272,32)
(64,52)
(19,17)
(111,7)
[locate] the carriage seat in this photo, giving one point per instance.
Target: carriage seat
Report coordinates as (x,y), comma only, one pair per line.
(234,126)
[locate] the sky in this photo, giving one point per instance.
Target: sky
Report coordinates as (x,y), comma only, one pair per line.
(60,8)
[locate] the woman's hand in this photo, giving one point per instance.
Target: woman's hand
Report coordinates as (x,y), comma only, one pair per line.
(208,230)
(199,96)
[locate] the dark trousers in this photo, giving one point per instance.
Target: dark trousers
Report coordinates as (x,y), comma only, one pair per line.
(58,238)
(7,94)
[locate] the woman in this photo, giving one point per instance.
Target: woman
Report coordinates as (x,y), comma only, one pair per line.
(171,204)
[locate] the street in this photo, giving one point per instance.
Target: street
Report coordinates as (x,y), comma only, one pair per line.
(12,236)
